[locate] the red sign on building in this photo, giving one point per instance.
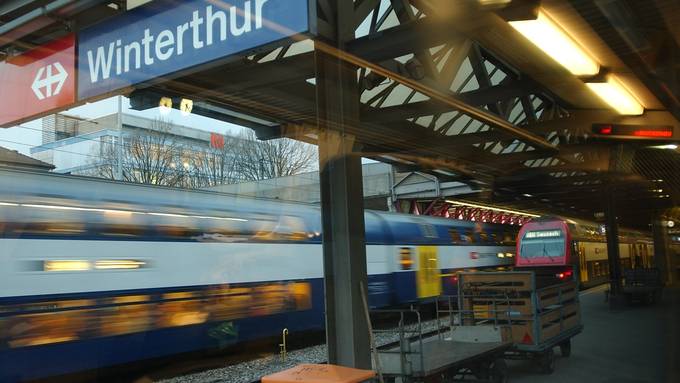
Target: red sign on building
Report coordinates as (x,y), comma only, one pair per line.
(216,141)
(37,82)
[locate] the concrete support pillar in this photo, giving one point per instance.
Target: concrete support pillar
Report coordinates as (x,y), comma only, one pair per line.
(342,203)
(613,255)
(620,160)
(661,253)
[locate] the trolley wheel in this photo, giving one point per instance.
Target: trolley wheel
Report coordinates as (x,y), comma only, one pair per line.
(498,371)
(546,361)
(565,348)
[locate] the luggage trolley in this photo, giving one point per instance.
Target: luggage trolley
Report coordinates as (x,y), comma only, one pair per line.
(451,352)
(537,319)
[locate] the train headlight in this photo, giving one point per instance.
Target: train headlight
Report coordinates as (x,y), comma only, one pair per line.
(501,255)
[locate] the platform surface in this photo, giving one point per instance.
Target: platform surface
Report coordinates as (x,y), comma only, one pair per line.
(636,344)
(319,373)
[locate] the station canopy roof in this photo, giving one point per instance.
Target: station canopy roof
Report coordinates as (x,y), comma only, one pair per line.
(452,89)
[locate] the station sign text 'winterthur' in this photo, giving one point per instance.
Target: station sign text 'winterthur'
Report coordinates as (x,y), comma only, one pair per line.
(164,37)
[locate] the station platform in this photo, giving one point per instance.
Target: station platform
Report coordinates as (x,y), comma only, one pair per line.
(634,344)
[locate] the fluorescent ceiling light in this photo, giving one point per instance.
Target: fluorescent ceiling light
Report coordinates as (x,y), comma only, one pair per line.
(556,43)
(616,95)
(669,147)
(486,3)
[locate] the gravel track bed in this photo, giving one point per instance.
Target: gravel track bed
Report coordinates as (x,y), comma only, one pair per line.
(253,370)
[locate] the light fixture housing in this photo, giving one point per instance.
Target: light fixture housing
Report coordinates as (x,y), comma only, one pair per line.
(615,93)
(552,39)
(165,105)
(667,147)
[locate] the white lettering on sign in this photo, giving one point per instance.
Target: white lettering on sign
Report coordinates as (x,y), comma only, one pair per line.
(46,78)
(170,42)
(543,234)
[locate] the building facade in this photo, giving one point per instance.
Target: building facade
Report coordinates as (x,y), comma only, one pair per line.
(78,146)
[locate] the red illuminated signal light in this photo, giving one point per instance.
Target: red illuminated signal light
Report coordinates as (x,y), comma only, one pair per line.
(564,275)
(620,131)
(653,133)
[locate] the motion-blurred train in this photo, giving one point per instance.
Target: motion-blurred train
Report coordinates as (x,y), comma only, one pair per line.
(562,248)
(96,273)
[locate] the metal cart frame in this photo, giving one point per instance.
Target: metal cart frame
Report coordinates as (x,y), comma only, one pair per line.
(452,351)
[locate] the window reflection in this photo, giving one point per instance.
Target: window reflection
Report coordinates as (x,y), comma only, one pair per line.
(48,322)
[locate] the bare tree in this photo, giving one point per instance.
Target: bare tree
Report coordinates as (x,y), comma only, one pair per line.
(149,157)
(282,157)
(157,157)
(214,165)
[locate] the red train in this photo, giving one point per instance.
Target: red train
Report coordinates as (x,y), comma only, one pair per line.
(565,248)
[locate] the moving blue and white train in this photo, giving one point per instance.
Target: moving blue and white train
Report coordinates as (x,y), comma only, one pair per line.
(96,273)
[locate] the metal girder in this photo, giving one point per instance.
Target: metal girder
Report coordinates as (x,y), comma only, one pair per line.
(401,40)
(9,6)
(477,97)
(435,92)
(365,49)
(41,16)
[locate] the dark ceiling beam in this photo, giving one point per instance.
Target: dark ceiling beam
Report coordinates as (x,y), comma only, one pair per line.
(509,160)
(42,16)
(362,9)
(424,108)
(634,32)
(9,6)
(402,39)
(254,75)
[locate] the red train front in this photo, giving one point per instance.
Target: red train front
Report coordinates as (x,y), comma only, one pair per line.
(545,245)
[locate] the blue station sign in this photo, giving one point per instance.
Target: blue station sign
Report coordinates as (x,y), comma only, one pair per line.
(168,36)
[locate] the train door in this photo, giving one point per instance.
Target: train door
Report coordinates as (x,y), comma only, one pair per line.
(428,276)
(646,259)
(582,264)
(642,255)
(632,253)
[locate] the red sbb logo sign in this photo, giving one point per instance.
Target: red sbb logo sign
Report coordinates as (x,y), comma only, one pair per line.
(38,82)
(46,83)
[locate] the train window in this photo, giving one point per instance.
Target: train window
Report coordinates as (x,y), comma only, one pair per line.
(494,238)
(172,231)
(130,314)
(469,236)
(66,229)
(483,236)
(455,236)
(120,230)
(428,230)
(405,259)
(283,228)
